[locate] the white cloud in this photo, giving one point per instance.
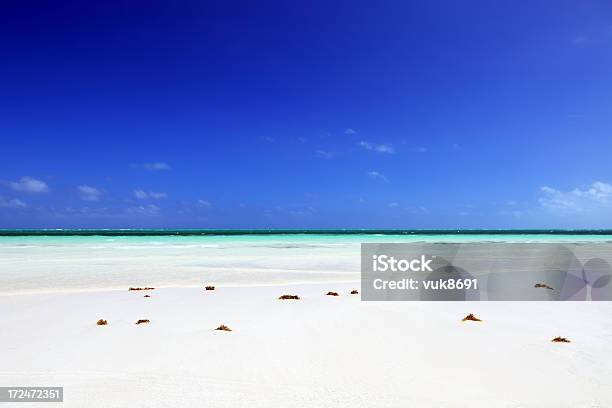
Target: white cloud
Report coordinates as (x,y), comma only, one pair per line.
(29,185)
(155,195)
(155,166)
(379,176)
(323,154)
(12,203)
(394,204)
(205,204)
(89,193)
(380,148)
(143,195)
(421,149)
(598,195)
(350,131)
(600,191)
(140,194)
(149,210)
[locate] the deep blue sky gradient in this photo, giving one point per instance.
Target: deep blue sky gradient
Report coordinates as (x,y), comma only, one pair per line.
(476,114)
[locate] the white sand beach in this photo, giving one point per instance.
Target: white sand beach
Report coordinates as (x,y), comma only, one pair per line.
(319,351)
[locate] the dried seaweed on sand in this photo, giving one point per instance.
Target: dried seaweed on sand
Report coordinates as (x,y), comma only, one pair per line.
(471,318)
(289,297)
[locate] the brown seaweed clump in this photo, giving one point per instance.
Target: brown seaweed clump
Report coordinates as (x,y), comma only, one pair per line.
(354,292)
(141,321)
(332,294)
(471,318)
(542,285)
(209,287)
(145,288)
(289,297)
(101,322)
(147,295)
(223,328)
(560,339)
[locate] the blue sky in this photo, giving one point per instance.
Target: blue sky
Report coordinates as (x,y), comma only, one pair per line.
(316,114)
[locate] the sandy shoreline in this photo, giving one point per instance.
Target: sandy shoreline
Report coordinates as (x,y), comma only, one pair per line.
(317,351)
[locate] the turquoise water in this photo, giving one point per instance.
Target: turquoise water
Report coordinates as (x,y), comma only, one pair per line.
(289,239)
(315,232)
(66,260)
(190,236)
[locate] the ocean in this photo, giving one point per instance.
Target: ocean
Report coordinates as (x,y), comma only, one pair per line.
(33,261)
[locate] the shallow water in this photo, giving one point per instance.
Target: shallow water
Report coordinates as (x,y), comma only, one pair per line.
(72,262)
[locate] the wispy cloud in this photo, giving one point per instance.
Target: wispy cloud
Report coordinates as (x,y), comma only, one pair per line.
(204,203)
(154,166)
(598,195)
(350,131)
(140,194)
(12,203)
(420,149)
(144,195)
(378,176)
(149,210)
(29,185)
(324,154)
(89,193)
(380,148)
(268,139)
